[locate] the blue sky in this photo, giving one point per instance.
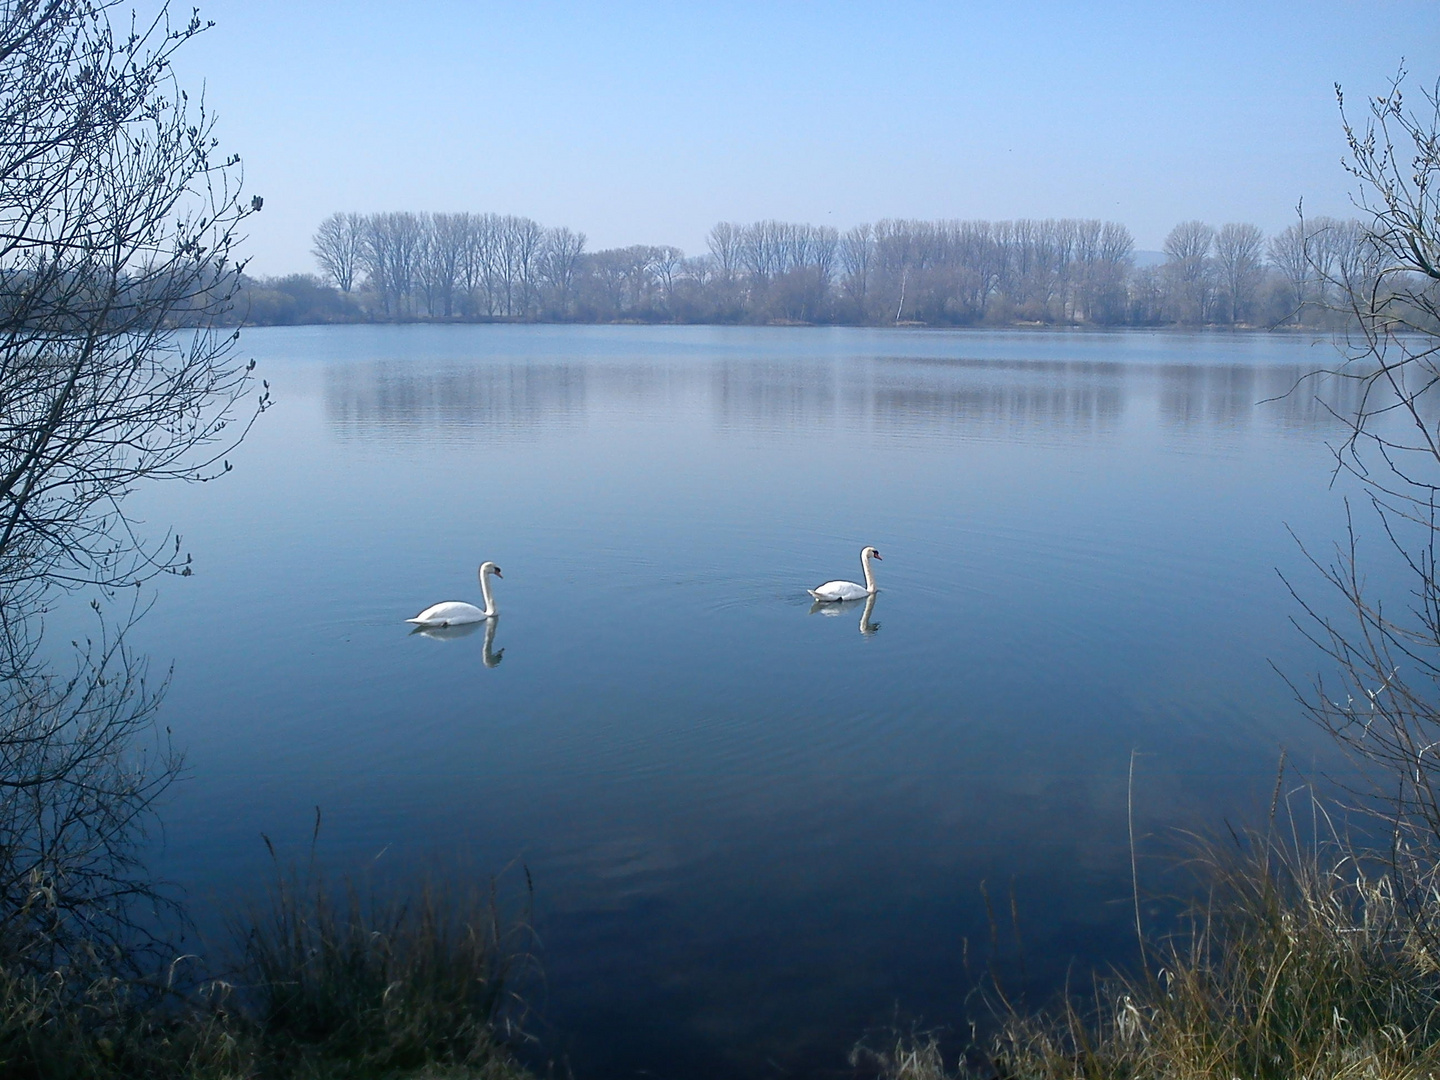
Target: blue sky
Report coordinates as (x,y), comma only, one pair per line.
(647,123)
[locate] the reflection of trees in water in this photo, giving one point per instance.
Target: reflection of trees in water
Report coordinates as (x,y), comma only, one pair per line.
(908,396)
(1071,408)
(1193,395)
(777,396)
(1233,395)
(77,784)
(518,395)
(897,395)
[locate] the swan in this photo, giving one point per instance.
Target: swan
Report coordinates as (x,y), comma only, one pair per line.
(848,590)
(454,612)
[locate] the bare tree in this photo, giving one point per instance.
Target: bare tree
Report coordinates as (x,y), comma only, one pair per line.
(1290,255)
(117,222)
(339,248)
(508,262)
(444,252)
(724,242)
(666,264)
(857,251)
(1240,265)
(1189,270)
(394,247)
(944,272)
(559,265)
(528,241)
(1381,698)
(1115,263)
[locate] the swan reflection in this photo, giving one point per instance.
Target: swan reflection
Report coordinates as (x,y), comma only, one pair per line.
(489,655)
(833,607)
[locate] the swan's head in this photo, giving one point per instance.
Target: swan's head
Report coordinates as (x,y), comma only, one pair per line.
(490,568)
(871,553)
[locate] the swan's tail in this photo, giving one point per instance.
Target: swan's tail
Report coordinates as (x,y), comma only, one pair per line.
(815,594)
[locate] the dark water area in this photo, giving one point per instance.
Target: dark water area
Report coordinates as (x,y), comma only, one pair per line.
(756,830)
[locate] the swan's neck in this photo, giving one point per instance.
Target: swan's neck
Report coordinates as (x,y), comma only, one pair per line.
(869,575)
(490,608)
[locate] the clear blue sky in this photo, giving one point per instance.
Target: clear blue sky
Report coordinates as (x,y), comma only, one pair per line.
(647,123)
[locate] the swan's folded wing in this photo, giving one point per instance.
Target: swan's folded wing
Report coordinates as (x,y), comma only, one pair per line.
(838,590)
(451,611)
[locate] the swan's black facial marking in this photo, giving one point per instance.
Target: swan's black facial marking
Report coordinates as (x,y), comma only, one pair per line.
(496,571)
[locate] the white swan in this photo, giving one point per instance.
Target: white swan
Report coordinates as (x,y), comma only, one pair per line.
(848,590)
(453,612)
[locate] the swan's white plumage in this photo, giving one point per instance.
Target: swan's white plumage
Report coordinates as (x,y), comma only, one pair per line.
(455,612)
(849,590)
(839,590)
(448,614)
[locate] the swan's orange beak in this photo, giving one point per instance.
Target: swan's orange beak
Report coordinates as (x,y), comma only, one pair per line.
(877,556)
(498,573)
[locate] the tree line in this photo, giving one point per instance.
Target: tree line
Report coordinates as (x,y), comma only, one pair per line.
(476,267)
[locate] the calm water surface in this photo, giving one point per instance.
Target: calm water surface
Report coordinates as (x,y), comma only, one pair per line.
(756,830)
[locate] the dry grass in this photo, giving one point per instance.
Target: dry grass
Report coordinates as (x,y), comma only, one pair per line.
(1299,963)
(84,1023)
(329,986)
(345,985)
(902,1056)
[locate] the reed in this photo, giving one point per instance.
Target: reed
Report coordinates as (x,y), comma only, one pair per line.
(1297,961)
(84,1022)
(347,984)
(329,983)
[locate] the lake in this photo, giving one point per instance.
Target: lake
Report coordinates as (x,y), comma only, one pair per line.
(756,830)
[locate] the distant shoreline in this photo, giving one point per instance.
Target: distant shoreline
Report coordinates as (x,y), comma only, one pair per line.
(1029,327)
(479,268)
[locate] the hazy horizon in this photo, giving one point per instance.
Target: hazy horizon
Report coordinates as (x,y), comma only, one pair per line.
(642,123)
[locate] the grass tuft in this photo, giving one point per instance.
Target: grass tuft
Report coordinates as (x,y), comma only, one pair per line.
(329,986)
(1298,962)
(369,987)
